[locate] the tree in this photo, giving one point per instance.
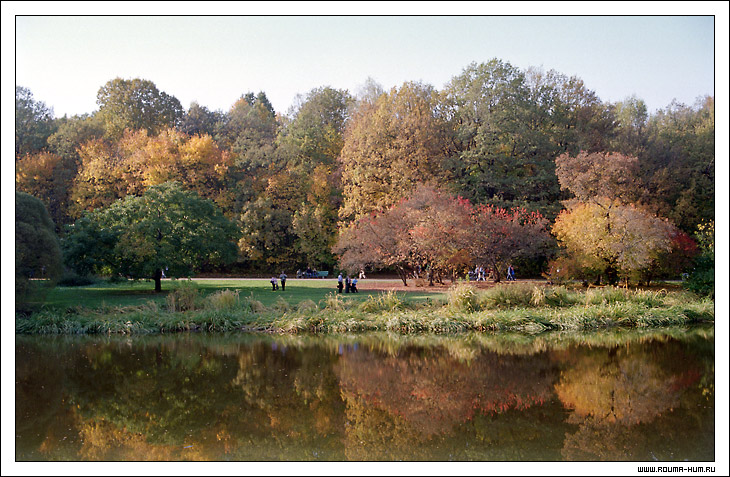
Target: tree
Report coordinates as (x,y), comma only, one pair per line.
(427,230)
(37,250)
(595,177)
(391,146)
(613,238)
(112,170)
(167,228)
(200,120)
(33,123)
(44,176)
(136,104)
(679,163)
(498,236)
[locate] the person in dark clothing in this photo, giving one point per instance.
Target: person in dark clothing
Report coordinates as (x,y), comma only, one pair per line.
(339,283)
(282,277)
(353,285)
(274,285)
(347,284)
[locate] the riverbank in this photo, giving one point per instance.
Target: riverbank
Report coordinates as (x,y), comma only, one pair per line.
(462,308)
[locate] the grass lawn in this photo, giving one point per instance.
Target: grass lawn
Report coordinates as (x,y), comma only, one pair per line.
(140,292)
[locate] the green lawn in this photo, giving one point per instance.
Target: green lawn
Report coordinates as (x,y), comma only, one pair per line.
(140,292)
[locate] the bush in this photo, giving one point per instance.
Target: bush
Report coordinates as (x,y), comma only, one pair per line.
(508,295)
(702,278)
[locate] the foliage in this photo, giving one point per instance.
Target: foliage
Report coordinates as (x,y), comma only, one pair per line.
(390,146)
(137,161)
(701,280)
(185,296)
(33,123)
(136,104)
(38,259)
(167,228)
(48,177)
(612,238)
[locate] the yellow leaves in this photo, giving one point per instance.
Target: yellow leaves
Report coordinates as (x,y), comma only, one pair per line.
(618,234)
(138,161)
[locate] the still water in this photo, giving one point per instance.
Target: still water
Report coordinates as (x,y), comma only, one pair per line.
(608,396)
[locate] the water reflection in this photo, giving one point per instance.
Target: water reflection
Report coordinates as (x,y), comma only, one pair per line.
(599,396)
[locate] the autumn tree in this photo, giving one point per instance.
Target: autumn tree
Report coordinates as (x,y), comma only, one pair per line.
(166,228)
(613,238)
(499,236)
(45,176)
(427,230)
(602,227)
(390,146)
(136,104)
(113,170)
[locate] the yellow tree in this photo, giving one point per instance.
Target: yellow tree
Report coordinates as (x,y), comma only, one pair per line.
(613,238)
(390,146)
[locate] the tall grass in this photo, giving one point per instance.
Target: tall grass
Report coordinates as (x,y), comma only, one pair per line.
(507,307)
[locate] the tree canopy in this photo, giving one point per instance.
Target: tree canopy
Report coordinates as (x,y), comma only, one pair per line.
(166,228)
(504,139)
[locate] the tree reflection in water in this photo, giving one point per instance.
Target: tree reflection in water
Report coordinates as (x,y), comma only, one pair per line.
(248,398)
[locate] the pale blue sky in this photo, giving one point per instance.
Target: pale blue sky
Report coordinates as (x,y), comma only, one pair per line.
(213,60)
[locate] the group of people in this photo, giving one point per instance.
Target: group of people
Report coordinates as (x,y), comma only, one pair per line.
(308,273)
(479,274)
(275,282)
(349,284)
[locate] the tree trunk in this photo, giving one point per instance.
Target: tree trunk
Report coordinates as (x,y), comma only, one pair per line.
(403,276)
(158,280)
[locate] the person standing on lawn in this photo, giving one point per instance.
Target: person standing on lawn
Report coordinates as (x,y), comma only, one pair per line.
(282,277)
(339,283)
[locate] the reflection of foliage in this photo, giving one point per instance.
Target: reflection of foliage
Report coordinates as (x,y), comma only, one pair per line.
(360,397)
(434,392)
(624,399)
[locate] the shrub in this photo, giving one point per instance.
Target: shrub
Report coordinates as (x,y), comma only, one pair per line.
(307,305)
(73,279)
(333,301)
(254,305)
(605,295)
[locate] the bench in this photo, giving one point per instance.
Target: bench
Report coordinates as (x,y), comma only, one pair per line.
(322,274)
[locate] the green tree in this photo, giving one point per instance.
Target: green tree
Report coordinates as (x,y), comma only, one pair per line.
(136,104)
(167,228)
(37,250)
(33,123)
(679,163)
(200,120)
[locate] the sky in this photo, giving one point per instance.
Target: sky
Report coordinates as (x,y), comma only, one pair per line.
(214,60)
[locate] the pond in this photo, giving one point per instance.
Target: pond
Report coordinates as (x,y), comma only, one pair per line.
(603,396)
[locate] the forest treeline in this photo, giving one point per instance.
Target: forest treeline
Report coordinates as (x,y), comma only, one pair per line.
(495,139)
